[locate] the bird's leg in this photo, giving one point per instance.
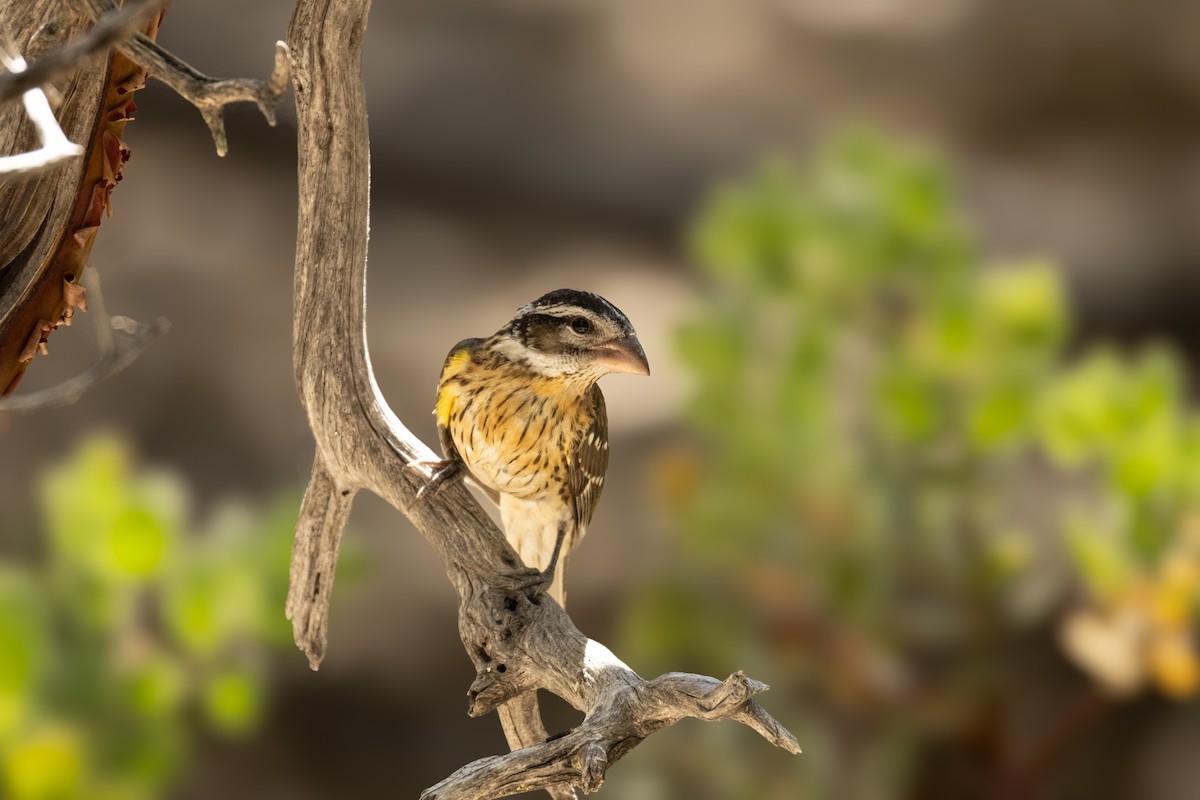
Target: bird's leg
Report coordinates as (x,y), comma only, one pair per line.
(540,581)
(548,575)
(443,471)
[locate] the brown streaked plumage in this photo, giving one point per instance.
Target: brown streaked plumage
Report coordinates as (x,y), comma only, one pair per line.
(522,413)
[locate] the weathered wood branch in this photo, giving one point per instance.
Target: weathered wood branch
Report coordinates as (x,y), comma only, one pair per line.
(610,731)
(51,217)
(116,352)
(516,636)
(109,30)
(209,95)
(53,145)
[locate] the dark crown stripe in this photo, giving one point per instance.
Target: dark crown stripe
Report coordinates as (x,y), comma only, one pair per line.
(565,301)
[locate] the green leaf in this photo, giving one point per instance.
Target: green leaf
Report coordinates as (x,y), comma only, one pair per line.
(193,611)
(137,543)
(148,758)
(1078,416)
(23,645)
(999,417)
(47,764)
(1149,533)
(82,495)
(233,701)
(1146,461)
(1099,556)
(1023,306)
(156,688)
(907,403)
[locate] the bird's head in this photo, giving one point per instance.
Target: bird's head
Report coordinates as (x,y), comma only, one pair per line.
(575,334)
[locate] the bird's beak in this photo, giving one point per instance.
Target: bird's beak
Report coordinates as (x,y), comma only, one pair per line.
(623,355)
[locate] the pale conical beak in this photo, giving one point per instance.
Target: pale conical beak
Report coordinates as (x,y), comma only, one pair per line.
(622,355)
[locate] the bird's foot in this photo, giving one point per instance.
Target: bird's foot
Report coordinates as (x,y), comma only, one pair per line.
(443,472)
(536,582)
(532,582)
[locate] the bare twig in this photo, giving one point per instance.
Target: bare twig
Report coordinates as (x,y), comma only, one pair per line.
(109,30)
(521,719)
(56,147)
(584,755)
(209,95)
(115,354)
(518,638)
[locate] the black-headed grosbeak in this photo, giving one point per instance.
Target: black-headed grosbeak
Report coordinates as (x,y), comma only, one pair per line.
(521,412)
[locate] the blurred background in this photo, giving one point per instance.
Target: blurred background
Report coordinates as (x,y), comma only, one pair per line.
(920,448)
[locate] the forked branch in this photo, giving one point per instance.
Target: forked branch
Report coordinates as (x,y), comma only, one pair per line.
(583,756)
(517,637)
(208,95)
(109,30)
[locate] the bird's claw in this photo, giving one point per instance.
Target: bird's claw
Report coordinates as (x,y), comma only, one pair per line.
(531,581)
(443,472)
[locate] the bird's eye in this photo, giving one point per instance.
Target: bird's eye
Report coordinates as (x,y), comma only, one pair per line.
(581,325)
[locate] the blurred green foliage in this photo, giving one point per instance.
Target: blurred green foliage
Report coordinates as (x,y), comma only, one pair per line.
(900,470)
(133,628)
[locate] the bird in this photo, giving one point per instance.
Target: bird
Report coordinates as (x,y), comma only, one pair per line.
(521,414)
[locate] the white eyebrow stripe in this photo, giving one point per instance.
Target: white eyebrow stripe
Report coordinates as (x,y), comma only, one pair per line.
(566,311)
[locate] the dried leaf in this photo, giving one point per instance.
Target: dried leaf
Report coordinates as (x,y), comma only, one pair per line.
(112,160)
(31,346)
(74,296)
(84,237)
(124,112)
(36,341)
(95,207)
(134,82)
(1108,646)
(1175,663)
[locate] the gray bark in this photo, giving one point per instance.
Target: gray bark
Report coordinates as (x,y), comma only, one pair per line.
(517,637)
(54,192)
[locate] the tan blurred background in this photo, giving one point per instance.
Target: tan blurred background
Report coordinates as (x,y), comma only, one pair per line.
(524,145)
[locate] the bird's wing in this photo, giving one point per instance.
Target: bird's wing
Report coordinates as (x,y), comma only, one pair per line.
(455,362)
(589,462)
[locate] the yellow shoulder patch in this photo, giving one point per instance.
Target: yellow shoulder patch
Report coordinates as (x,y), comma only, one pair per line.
(447,392)
(445,405)
(455,362)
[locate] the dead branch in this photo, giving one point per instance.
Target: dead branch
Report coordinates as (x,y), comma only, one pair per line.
(109,30)
(116,353)
(28,315)
(209,95)
(610,731)
(517,637)
(52,217)
(54,146)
